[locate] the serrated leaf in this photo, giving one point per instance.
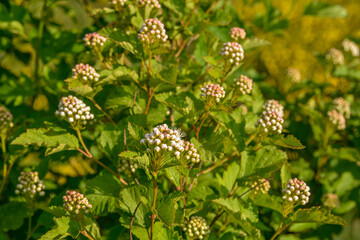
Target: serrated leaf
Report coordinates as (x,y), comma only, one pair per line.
(163,233)
(55,140)
(82,89)
(266,200)
(64,227)
(314,215)
(250,43)
(262,162)
(136,131)
(173,174)
(210,60)
(215,73)
(167,206)
(103,194)
(287,142)
(111,141)
(285,174)
(12,215)
(91,227)
(169,75)
(181,103)
(118,74)
(238,208)
(228,177)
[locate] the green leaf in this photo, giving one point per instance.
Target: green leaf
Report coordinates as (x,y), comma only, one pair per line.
(82,89)
(64,227)
(262,162)
(265,200)
(136,131)
(103,194)
(285,174)
(239,209)
(322,9)
(121,73)
(215,73)
(345,153)
(210,60)
(163,233)
(173,174)
(169,74)
(12,215)
(287,142)
(314,215)
(167,206)
(250,43)
(111,141)
(228,177)
(181,103)
(91,227)
(55,139)
(131,196)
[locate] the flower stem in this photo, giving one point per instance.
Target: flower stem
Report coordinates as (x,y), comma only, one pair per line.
(153,208)
(88,154)
(280,229)
(29,232)
(5,171)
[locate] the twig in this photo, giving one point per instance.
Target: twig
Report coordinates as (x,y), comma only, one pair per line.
(98,107)
(132,219)
(216,218)
(125,146)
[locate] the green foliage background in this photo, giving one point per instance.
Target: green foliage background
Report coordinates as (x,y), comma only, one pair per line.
(40,42)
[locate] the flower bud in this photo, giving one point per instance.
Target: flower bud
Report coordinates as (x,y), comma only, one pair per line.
(5,119)
(335,56)
(243,84)
(237,33)
(196,228)
(75,203)
(30,185)
(232,52)
(152,31)
(291,195)
(350,46)
(150,3)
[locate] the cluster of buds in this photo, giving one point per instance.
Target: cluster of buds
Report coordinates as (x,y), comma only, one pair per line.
(85,73)
(232,52)
(342,106)
(190,152)
(293,75)
(74,111)
(244,84)
(273,106)
(125,165)
(94,40)
(118,4)
(5,119)
(296,192)
(150,3)
(164,140)
(236,33)
(330,200)
(152,31)
(335,56)
(75,203)
(259,186)
(212,91)
(196,228)
(337,119)
(350,46)
(270,122)
(29,185)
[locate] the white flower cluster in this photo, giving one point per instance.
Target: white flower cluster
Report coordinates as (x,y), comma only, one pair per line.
(296,192)
(85,73)
(212,91)
(330,200)
(342,106)
(29,185)
(196,228)
(118,4)
(74,111)
(152,31)
(94,40)
(124,165)
(164,140)
(293,75)
(270,122)
(232,52)
(75,203)
(150,3)
(350,46)
(236,33)
(244,84)
(337,119)
(273,106)
(5,118)
(259,186)
(335,56)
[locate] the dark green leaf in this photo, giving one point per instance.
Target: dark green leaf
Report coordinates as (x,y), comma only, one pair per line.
(287,142)
(314,215)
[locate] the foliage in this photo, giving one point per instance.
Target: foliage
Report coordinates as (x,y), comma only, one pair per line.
(153,106)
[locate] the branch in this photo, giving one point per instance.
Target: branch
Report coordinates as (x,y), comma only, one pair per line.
(132,219)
